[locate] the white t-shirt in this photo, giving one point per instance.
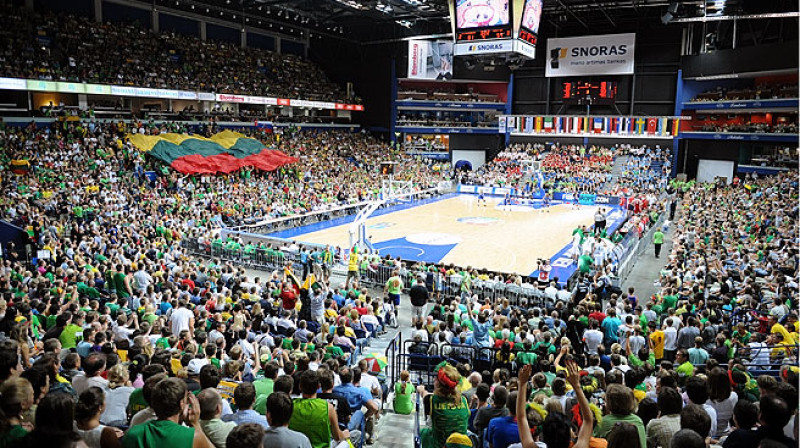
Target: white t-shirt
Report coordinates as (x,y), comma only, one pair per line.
(593,338)
(116,404)
(180,320)
(369,381)
(670,338)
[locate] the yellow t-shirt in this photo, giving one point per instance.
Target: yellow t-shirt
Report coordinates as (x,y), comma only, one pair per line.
(658,343)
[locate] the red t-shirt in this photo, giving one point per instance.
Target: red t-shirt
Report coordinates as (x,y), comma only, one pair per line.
(289,299)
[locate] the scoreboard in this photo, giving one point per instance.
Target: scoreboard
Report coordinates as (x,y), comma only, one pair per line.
(591,92)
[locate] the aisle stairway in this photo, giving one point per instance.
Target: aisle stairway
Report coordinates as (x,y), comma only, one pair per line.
(616,170)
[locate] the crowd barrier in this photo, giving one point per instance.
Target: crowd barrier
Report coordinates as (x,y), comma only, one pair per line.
(420,359)
(631,248)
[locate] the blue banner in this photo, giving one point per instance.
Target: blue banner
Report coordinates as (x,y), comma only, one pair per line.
(743,137)
(745,104)
(451,105)
(444,130)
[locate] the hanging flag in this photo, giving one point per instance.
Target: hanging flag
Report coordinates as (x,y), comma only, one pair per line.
(640,125)
(652,125)
(529,124)
(539,124)
(576,125)
(585,125)
(676,126)
(598,125)
(520,125)
(618,128)
(548,124)
(557,127)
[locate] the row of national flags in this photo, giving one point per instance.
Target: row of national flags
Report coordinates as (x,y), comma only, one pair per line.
(656,126)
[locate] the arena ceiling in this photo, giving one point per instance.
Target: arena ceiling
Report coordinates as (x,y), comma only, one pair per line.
(370,21)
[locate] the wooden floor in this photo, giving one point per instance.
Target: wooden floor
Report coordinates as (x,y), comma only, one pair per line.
(493,237)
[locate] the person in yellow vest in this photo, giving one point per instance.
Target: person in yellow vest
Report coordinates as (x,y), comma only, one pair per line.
(352,267)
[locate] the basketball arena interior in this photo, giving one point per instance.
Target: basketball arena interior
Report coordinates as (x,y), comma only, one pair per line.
(399,223)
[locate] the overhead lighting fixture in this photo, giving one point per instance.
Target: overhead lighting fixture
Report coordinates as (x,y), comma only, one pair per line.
(672,11)
(405,23)
(353,4)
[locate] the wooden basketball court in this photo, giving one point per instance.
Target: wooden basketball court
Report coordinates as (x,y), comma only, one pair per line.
(495,237)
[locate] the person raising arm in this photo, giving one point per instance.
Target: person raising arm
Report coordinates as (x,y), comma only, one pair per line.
(573,377)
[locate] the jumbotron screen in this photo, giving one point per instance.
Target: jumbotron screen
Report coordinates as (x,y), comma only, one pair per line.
(600,92)
(472,14)
(532,14)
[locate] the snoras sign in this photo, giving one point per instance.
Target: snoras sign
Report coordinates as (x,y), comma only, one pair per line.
(610,54)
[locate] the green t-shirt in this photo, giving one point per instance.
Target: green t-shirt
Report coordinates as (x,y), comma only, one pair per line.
(333,351)
(634,360)
(524,358)
(136,401)
(69,336)
(394,285)
(670,302)
(610,421)
(264,388)
(159,433)
(585,263)
(11,436)
(402,398)
(447,417)
(310,416)
(685,370)
(658,237)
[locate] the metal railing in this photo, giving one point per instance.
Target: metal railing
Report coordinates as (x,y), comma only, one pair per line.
(391,353)
(632,247)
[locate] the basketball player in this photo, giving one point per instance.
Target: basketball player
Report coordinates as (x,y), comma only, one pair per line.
(546,202)
(481,199)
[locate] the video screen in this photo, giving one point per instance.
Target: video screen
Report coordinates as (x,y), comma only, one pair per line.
(482,13)
(532,15)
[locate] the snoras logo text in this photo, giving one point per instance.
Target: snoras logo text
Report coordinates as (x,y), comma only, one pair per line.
(486,47)
(599,50)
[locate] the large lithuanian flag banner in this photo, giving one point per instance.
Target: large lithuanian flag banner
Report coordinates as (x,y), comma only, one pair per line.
(224,152)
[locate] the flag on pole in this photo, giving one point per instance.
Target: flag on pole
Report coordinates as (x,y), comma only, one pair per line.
(548,124)
(539,121)
(676,126)
(529,125)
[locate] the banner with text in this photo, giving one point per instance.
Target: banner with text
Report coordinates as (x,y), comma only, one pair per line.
(430,59)
(609,54)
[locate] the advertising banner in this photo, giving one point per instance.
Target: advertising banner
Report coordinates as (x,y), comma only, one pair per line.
(430,59)
(489,47)
(609,54)
(13,84)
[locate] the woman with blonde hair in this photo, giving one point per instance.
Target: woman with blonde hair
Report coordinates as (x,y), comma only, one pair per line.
(449,409)
(117,396)
(403,393)
(17,398)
